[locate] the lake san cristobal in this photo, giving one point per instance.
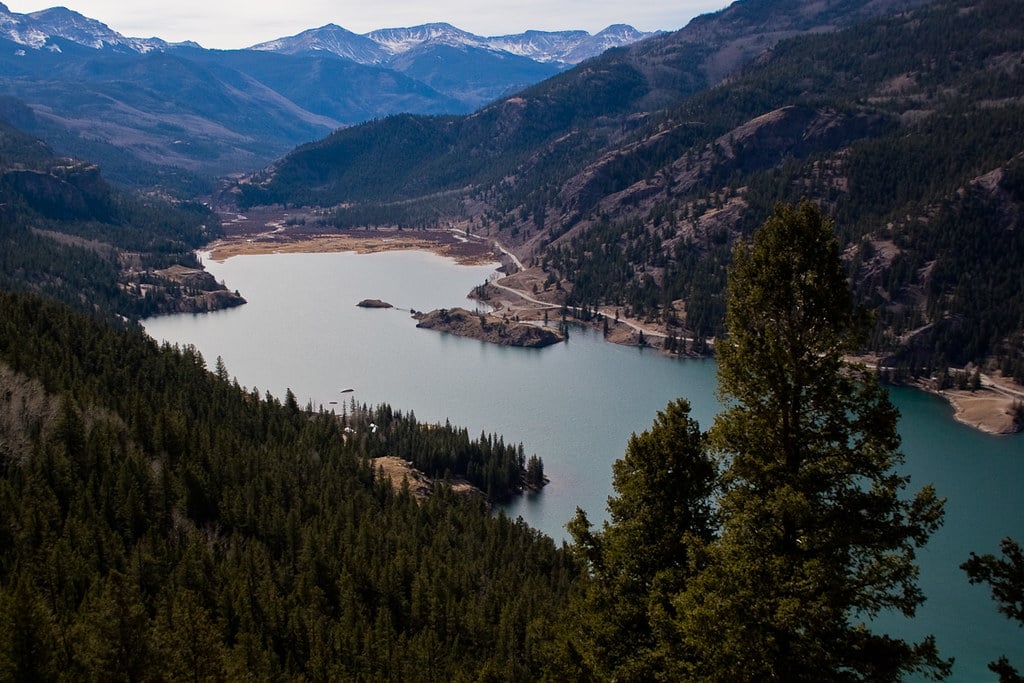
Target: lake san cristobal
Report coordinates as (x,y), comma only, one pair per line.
(575,405)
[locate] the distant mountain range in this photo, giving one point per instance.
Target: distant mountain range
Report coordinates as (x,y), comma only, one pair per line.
(384,46)
(142,106)
(47,28)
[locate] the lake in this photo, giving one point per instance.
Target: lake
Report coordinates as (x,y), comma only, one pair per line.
(575,405)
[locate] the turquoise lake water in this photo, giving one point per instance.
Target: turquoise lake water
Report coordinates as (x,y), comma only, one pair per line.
(575,405)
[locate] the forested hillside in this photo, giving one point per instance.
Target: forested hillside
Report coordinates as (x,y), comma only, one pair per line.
(531,142)
(160,522)
(908,129)
(628,178)
(67,234)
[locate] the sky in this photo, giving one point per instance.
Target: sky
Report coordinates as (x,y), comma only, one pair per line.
(229,24)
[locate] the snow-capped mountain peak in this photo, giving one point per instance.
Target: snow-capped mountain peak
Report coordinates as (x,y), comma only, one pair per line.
(45,28)
(38,29)
(329,38)
(569,47)
(396,41)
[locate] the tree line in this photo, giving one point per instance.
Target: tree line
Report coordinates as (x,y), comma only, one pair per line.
(162,522)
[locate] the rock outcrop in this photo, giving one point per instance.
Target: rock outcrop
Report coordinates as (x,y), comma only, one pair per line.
(488,328)
(373,303)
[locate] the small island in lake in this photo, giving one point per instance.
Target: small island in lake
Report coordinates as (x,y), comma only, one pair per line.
(488,328)
(374,303)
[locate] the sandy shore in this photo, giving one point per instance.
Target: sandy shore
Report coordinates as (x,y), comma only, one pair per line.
(466,253)
(270,230)
(991,408)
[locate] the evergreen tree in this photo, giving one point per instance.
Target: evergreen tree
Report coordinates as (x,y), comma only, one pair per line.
(1006,576)
(815,537)
(27,637)
(641,557)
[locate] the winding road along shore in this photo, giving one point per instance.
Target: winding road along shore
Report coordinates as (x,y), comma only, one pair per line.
(993,408)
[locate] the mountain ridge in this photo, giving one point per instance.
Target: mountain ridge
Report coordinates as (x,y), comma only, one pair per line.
(144,106)
(39,29)
(627,179)
(381,45)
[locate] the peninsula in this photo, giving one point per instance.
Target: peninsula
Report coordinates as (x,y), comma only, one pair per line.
(489,328)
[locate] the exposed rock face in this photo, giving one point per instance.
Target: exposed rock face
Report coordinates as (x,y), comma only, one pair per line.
(488,328)
(194,291)
(203,302)
(373,303)
(74,191)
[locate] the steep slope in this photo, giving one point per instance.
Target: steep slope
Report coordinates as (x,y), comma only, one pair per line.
(473,76)
(546,132)
(194,529)
(627,178)
(908,129)
(42,29)
(67,234)
(144,107)
(332,39)
(158,107)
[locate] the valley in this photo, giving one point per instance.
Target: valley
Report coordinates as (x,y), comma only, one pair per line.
(573,404)
(418,354)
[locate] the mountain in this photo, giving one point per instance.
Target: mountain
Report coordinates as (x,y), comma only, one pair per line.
(39,30)
(170,115)
(469,68)
(153,110)
(454,63)
(332,39)
(628,178)
(555,127)
(383,45)
(67,234)
(569,47)
(396,41)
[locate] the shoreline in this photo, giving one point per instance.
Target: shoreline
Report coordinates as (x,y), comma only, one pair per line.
(989,409)
(269,230)
(362,242)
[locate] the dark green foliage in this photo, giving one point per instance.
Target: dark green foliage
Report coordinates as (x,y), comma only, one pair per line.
(67,234)
(622,623)
(815,536)
(157,521)
(1006,577)
(496,468)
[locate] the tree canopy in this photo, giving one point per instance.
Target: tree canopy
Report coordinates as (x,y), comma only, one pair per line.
(641,557)
(815,537)
(1005,575)
(761,550)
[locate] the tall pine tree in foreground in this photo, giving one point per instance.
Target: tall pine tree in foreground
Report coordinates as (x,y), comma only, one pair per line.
(622,625)
(816,536)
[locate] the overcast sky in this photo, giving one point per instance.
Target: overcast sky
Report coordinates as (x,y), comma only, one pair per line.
(227,24)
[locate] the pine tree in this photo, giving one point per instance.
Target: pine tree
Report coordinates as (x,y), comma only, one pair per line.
(27,635)
(1006,577)
(641,557)
(815,536)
